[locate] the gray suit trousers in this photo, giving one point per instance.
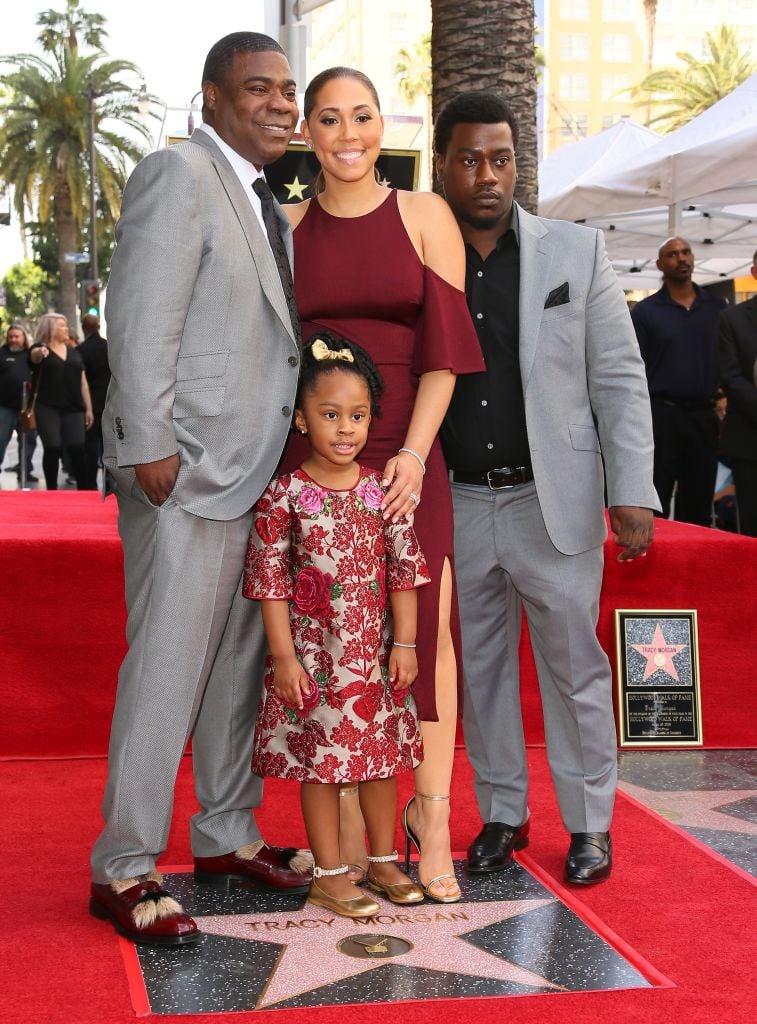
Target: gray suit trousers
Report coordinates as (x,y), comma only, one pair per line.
(194,667)
(504,561)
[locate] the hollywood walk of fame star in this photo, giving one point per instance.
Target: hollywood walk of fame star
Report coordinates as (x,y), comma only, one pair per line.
(309,959)
(659,654)
(296,188)
(696,808)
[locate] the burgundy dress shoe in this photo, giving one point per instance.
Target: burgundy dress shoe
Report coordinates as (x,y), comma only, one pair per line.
(140,910)
(589,858)
(272,867)
(492,849)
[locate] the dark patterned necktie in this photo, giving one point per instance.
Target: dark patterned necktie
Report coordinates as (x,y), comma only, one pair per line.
(271,221)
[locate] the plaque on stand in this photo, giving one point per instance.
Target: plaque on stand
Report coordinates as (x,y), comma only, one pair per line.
(658,678)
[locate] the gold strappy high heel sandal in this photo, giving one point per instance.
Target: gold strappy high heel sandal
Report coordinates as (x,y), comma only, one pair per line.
(411,837)
(356,872)
(399,892)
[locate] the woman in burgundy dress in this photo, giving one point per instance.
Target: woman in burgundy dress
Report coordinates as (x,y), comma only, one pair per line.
(386,269)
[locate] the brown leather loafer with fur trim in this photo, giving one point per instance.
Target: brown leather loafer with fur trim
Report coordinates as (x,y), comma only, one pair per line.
(142,911)
(273,867)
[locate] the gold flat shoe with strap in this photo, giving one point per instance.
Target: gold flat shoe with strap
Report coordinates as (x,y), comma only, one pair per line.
(401,893)
(358,906)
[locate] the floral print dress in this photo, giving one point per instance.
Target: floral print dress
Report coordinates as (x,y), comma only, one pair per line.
(332,556)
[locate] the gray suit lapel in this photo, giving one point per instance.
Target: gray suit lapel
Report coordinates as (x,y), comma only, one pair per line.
(260,250)
(535,260)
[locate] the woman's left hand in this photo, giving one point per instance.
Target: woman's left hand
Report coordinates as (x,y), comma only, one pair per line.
(404,474)
(89,419)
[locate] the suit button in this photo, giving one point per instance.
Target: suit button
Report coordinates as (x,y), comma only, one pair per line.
(120,435)
(286,411)
(292,360)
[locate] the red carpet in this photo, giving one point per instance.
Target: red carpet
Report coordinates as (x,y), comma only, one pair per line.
(684,912)
(62,621)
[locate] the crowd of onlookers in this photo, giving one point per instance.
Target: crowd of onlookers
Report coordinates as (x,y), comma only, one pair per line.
(62,384)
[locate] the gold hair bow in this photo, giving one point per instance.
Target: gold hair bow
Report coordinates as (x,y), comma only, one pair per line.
(322,352)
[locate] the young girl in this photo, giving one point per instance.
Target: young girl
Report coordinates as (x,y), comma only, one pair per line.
(337,706)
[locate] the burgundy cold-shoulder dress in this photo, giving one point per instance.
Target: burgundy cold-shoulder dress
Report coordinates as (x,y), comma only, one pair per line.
(362,278)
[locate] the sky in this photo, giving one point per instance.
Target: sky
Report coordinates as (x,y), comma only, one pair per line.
(167,39)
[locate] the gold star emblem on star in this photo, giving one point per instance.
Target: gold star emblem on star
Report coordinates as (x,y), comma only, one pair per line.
(295,188)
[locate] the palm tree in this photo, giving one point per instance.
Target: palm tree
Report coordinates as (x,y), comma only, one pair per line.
(413,68)
(65,27)
(489,44)
(680,94)
(44,122)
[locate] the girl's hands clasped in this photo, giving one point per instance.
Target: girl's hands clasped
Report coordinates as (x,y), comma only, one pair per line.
(403,475)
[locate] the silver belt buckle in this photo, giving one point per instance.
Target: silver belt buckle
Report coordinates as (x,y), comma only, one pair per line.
(497,487)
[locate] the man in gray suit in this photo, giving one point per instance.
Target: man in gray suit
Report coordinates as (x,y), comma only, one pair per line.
(204,358)
(564,392)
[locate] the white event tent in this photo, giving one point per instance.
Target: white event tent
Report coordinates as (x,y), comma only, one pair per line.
(699,182)
(562,175)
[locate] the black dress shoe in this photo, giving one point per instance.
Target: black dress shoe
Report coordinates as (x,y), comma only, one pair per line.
(492,849)
(589,858)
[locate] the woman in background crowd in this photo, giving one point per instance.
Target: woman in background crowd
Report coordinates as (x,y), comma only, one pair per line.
(63,407)
(14,374)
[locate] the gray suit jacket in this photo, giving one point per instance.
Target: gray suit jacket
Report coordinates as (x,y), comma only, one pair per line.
(203,358)
(584,384)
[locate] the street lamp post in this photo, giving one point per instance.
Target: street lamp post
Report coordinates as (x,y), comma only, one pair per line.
(93,268)
(192,108)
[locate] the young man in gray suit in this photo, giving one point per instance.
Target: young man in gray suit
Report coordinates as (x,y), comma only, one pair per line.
(564,392)
(203,346)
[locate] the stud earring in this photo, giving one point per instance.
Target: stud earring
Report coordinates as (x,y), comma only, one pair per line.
(309,144)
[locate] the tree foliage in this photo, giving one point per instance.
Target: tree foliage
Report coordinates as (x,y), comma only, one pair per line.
(679,94)
(413,68)
(44,131)
(63,28)
(26,286)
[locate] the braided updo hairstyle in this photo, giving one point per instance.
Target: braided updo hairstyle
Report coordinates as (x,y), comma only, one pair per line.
(361,365)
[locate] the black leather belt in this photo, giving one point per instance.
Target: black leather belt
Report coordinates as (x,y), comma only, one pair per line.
(496,479)
(689,404)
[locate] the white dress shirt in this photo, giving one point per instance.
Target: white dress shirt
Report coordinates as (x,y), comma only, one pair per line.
(244,170)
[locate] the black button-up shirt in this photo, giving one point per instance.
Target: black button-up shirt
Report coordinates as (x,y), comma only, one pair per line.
(485,427)
(679,345)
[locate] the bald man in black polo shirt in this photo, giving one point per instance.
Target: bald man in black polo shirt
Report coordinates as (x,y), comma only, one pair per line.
(677,328)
